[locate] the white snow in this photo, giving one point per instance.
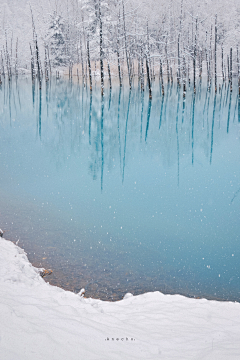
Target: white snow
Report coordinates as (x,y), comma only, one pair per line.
(43,322)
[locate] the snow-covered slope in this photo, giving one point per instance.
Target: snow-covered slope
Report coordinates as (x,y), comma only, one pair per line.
(39,321)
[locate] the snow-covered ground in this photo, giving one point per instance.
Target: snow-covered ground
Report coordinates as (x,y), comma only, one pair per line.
(42,322)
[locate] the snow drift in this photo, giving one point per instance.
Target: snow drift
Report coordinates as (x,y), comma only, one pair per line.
(40,321)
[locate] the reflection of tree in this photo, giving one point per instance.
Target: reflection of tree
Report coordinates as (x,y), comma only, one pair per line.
(177,132)
(71,121)
(213,118)
(193,115)
(239,108)
(229,111)
(235,195)
(148,116)
(125,136)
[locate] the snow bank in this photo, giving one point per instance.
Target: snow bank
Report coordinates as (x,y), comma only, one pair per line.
(40,321)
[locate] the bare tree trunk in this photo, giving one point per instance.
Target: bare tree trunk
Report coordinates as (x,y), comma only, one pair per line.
(166,53)
(184,76)
(178,74)
(215,55)
(231,70)
(228,68)
(222,65)
(46,65)
(49,62)
(147,66)
(16,59)
(83,77)
(7,59)
(238,65)
(32,64)
(109,74)
(101,49)
(38,65)
(148,78)
(142,69)
(3,69)
(89,65)
(126,50)
(37,53)
(161,75)
(194,65)
(118,54)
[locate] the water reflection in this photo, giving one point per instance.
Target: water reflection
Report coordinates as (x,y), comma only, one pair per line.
(121,192)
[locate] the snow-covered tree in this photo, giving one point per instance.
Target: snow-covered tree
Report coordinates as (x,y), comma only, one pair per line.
(57,41)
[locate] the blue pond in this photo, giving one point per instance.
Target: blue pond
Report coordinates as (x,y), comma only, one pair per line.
(121,194)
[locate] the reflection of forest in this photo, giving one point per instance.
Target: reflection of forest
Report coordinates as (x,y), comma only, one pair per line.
(69,120)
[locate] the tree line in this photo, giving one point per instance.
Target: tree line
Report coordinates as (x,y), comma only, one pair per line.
(120,41)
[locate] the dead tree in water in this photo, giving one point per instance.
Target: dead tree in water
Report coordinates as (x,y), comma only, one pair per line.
(194,59)
(178,72)
(228,68)
(231,70)
(89,65)
(7,59)
(32,64)
(184,76)
(46,65)
(215,55)
(16,59)
(238,67)
(37,52)
(38,64)
(101,49)
(2,67)
(194,65)
(81,52)
(142,69)
(118,54)
(148,78)
(126,49)
(161,77)
(222,66)
(147,66)
(109,74)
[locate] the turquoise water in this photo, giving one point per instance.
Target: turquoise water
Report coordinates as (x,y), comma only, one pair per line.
(123,194)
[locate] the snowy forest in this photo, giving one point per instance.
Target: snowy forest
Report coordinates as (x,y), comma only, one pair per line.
(176,40)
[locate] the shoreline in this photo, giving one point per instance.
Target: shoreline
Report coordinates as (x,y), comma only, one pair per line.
(96,293)
(147,326)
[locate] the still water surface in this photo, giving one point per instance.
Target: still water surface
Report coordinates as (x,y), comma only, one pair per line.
(123,194)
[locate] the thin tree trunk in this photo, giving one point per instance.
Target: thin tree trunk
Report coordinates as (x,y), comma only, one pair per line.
(142,69)
(179,74)
(238,65)
(126,50)
(148,77)
(89,65)
(32,64)
(231,70)
(118,54)
(222,65)
(109,74)
(215,55)
(101,50)
(194,65)
(16,60)
(184,76)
